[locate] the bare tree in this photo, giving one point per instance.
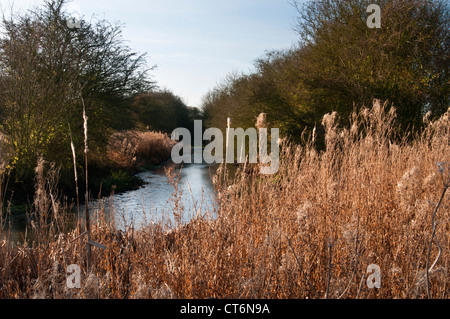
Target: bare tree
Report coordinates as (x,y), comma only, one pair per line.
(46,67)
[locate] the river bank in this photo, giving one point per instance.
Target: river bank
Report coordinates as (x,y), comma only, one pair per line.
(128,154)
(316,229)
(152,200)
(114,169)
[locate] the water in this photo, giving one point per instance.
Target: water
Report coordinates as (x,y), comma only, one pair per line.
(152,201)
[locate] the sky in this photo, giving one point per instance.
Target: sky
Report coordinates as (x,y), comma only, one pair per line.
(193,43)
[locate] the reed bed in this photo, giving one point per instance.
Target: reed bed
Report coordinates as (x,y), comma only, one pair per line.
(309,231)
(134,149)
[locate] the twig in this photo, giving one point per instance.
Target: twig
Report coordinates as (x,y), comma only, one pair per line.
(88,224)
(301,268)
(439,252)
(79,236)
(353,276)
(330,246)
(433,222)
(72,146)
(360,286)
(357,254)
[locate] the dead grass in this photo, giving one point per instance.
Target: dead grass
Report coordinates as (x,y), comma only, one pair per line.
(134,149)
(312,228)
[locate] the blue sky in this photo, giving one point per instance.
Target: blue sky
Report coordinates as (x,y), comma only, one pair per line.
(194,43)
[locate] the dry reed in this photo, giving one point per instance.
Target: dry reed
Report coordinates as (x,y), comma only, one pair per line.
(369,199)
(133,149)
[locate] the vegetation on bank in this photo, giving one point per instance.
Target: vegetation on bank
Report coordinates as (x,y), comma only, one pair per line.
(340,65)
(134,150)
(310,231)
(49,72)
(128,153)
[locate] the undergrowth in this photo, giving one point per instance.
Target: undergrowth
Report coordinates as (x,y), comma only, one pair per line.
(310,231)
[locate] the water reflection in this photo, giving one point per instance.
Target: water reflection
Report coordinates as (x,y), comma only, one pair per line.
(152,201)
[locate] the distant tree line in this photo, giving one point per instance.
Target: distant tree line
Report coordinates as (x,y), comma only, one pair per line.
(339,64)
(164,111)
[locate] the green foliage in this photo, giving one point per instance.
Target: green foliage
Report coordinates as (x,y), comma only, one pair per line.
(163,111)
(340,65)
(231,99)
(343,62)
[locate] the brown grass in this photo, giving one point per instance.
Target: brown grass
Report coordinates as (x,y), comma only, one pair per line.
(133,149)
(309,231)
